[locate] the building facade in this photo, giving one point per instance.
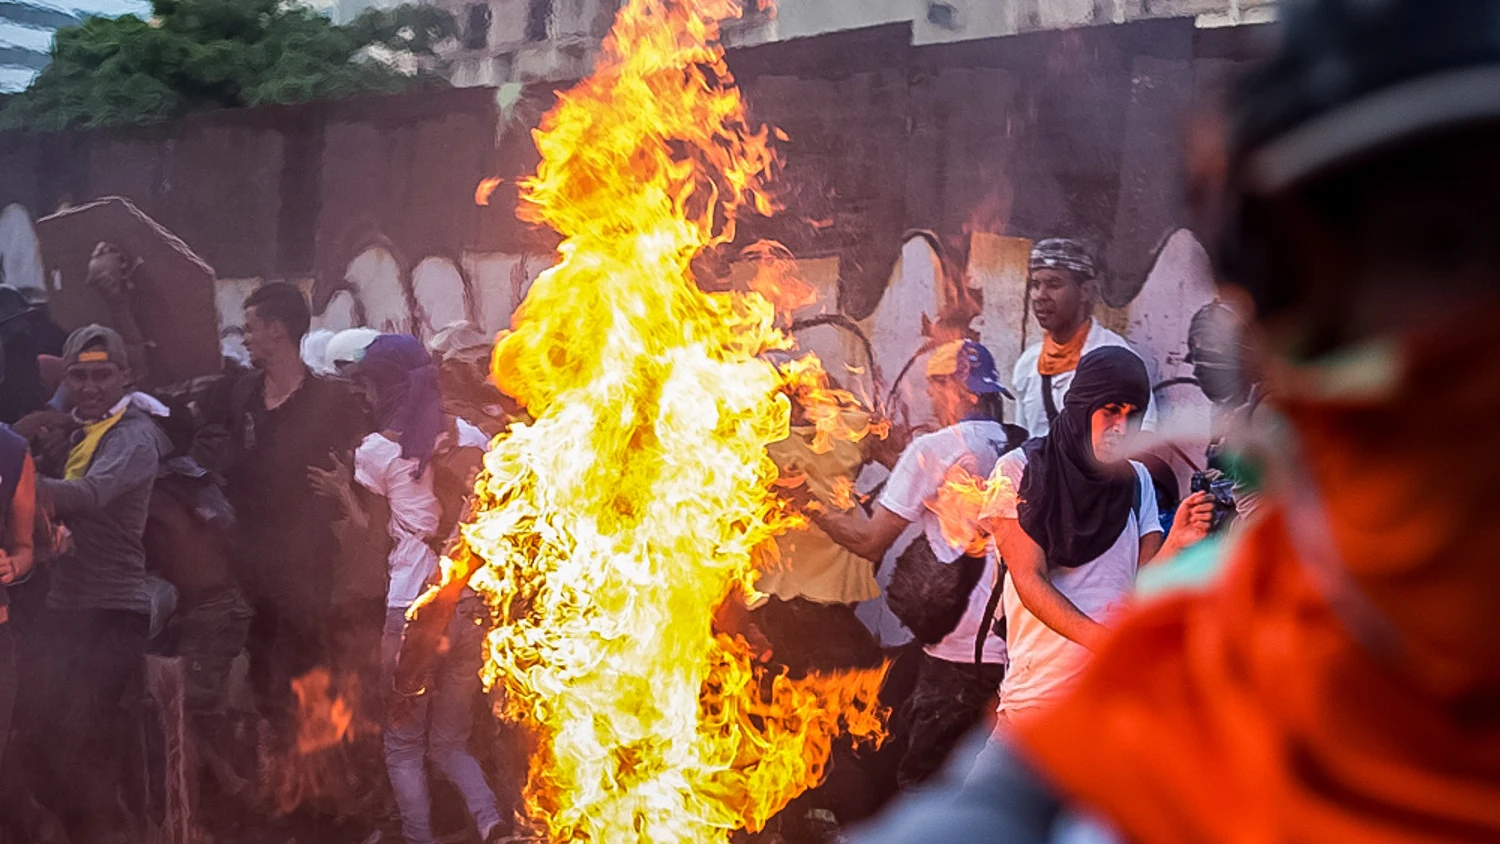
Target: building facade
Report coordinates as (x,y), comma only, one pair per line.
(26,28)
(520,41)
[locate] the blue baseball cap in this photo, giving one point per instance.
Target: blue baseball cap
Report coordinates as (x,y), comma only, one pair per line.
(971,363)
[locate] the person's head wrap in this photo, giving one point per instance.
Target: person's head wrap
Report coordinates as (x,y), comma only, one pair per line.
(406,393)
(970,363)
(1072,505)
(348,347)
(1061,253)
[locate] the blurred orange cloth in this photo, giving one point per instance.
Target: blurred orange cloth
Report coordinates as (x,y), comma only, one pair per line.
(1058,358)
(1257,712)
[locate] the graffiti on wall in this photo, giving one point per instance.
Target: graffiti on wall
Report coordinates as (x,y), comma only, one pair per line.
(925,300)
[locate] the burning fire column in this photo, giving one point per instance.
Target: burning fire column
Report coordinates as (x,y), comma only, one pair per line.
(610,530)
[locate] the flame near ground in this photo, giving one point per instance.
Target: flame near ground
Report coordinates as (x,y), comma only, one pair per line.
(610,530)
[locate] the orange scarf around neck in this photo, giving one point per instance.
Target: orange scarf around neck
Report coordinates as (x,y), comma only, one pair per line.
(1059,357)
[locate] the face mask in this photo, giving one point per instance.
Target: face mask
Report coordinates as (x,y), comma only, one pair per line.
(1392,490)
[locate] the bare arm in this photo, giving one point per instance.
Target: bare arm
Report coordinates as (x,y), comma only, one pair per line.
(1189,527)
(18,555)
(337,485)
(868,536)
(1151,545)
(1028,571)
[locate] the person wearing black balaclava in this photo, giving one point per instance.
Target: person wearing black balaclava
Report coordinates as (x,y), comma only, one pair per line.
(1074,519)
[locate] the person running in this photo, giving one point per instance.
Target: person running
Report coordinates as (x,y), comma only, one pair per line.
(396,463)
(952,572)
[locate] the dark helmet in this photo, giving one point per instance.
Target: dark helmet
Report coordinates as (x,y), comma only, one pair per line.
(13,304)
(1351,80)
(1216,338)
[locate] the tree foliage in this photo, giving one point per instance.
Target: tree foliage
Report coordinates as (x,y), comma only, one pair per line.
(199,54)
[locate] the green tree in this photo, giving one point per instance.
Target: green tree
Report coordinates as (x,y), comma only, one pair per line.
(200,54)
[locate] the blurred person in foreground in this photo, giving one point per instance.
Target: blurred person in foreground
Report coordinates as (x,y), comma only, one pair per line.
(1341,680)
(1061,292)
(399,463)
(17,561)
(99,604)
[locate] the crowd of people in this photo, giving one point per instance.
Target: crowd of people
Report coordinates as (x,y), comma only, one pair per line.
(282,517)
(1329,674)
(286,515)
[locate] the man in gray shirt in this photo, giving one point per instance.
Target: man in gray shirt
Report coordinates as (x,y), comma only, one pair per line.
(98,609)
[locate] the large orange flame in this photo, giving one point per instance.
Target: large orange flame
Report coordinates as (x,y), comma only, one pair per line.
(610,530)
(960,503)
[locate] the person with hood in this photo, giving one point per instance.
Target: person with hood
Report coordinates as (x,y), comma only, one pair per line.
(1339,679)
(397,463)
(1073,520)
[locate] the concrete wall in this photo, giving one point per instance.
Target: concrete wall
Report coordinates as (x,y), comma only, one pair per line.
(915,177)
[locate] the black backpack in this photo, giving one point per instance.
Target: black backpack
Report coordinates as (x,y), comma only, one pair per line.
(930,596)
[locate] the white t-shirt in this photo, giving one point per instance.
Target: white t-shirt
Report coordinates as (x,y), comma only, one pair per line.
(415,511)
(914,483)
(1031,407)
(1042,661)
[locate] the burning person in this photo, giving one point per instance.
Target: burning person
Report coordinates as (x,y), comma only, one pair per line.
(1063,290)
(398,463)
(1338,681)
(98,605)
(963,660)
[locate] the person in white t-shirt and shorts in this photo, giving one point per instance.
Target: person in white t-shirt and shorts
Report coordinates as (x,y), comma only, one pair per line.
(952,692)
(1074,520)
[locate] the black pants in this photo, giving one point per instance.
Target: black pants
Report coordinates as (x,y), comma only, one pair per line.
(807,636)
(950,698)
(284,643)
(85,714)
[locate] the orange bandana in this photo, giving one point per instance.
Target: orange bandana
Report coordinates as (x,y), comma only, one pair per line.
(1058,358)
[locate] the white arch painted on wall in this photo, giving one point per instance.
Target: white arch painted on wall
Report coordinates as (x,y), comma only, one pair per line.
(20,251)
(895,328)
(375,276)
(339,314)
(438,288)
